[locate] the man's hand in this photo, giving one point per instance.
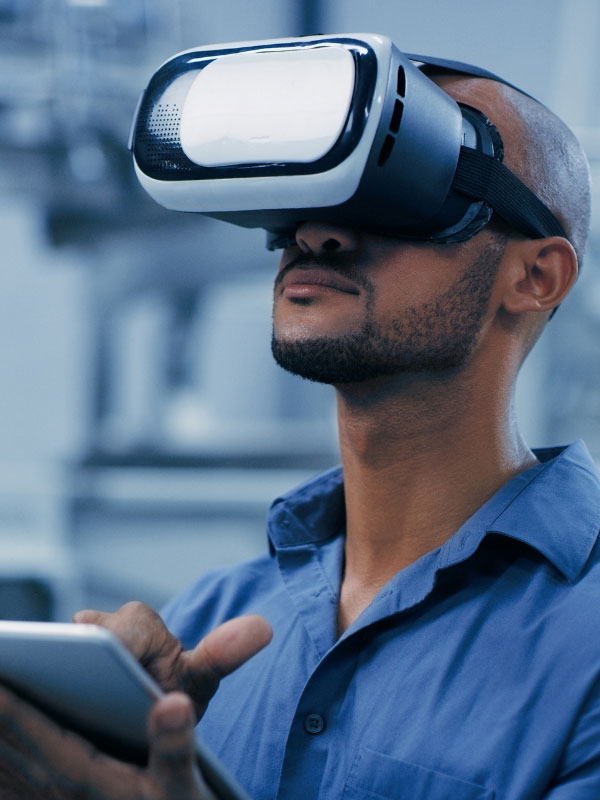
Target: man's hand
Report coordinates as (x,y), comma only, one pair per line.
(39,760)
(196,672)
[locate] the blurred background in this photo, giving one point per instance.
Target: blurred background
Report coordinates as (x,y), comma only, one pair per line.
(144,429)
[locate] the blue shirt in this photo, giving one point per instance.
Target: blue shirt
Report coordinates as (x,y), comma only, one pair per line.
(474,673)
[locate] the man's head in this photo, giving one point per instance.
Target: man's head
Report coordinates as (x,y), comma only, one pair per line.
(538,147)
(418,307)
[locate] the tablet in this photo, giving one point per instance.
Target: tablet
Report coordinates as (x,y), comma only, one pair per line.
(87,680)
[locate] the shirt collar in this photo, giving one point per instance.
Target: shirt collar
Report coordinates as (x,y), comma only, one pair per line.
(553,507)
(309,514)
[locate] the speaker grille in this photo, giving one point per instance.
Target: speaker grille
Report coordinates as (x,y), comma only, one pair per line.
(159,140)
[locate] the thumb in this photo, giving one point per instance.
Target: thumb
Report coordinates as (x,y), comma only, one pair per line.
(222,651)
(172,761)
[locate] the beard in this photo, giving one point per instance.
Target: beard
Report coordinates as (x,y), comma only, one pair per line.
(437,336)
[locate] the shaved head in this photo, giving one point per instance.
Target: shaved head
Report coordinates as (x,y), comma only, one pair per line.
(538,147)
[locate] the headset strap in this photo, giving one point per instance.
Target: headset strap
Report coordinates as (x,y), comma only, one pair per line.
(465,69)
(483,177)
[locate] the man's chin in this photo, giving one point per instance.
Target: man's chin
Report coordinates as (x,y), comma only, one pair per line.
(356,359)
(323,361)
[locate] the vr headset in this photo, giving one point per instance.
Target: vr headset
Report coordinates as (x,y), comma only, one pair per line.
(342,129)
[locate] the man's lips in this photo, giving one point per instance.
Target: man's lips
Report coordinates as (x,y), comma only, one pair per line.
(305,282)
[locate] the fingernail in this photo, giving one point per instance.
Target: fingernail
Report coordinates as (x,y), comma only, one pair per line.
(175,716)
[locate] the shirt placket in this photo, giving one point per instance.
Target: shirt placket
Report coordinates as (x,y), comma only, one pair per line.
(314,737)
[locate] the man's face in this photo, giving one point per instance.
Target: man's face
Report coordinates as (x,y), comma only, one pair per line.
(370,306)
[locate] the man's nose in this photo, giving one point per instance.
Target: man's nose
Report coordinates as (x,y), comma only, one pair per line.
(319,238)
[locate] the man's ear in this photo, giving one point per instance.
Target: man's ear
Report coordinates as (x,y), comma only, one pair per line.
(541,273)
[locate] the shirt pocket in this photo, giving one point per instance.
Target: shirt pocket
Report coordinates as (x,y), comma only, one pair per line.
(374,775)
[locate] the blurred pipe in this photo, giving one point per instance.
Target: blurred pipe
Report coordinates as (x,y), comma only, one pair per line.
(311,17)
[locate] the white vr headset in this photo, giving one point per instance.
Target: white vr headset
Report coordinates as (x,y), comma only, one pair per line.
(343,129)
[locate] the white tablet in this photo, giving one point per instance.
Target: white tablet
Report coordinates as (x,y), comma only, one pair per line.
(88,681)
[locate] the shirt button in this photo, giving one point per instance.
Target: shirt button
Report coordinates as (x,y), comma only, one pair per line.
(314,723)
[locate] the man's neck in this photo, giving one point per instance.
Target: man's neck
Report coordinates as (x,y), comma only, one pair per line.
(418,461)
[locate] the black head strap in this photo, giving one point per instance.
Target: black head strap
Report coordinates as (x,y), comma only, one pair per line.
(483,177)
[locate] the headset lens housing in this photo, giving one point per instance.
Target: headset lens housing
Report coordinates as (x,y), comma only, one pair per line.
(268,107)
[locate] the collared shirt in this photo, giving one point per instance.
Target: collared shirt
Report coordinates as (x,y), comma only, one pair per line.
(473,674)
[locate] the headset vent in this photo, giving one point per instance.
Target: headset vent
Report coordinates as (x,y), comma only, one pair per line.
(389,141)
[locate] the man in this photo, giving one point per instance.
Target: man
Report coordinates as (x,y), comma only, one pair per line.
(433,615)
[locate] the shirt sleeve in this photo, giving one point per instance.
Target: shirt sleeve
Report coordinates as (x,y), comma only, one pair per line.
(195,611)
(217,596)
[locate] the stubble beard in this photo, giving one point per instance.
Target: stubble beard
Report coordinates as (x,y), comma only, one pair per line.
(437,336)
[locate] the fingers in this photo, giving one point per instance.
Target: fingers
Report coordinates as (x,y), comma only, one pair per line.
(221,652)
(145,635)
(137,625)
(40,759)
(172,761)
(231,644)
(197,672)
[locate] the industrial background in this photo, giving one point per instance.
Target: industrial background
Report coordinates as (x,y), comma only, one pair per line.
(144,429)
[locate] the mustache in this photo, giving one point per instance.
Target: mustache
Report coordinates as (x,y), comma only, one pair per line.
(309,261)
